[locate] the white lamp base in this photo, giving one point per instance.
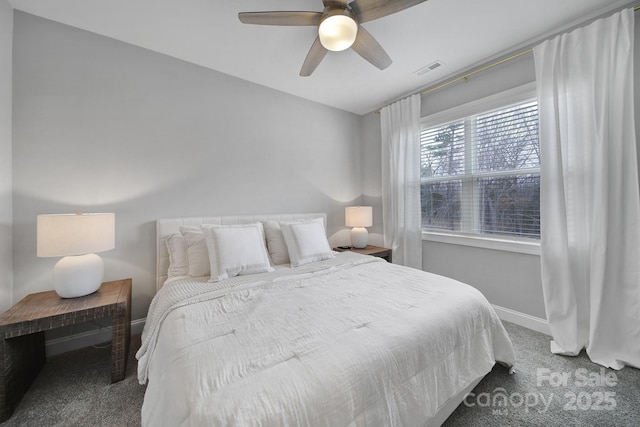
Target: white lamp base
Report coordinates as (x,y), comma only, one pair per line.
(359,237)
(76,276)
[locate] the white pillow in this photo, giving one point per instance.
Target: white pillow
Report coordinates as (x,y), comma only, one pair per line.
(235,250)
(178,262)
(275,243)
(306,241)
(197,253)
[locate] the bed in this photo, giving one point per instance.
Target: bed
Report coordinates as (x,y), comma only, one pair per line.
(316,338)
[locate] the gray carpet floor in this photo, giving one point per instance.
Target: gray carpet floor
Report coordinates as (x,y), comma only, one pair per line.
(74,389)
(551,390)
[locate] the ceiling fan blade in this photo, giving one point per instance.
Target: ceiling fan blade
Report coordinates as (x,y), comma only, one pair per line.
(313,59)
(368,10)
(280,18)
(367,47)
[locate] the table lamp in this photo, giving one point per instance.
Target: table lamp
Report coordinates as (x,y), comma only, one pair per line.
(76,237)
(359,217)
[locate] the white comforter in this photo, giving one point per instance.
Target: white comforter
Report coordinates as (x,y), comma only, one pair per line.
(348,341)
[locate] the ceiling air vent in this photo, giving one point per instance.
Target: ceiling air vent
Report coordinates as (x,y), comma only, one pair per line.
(424,70)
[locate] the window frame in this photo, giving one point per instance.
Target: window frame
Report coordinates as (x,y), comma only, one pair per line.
(496,101)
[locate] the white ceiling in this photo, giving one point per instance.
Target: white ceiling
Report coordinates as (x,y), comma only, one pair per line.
(459,33)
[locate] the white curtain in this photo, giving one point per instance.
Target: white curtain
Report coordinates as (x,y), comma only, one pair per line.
(590,203)
(400,126)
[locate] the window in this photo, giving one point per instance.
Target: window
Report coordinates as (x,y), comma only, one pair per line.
(480,174)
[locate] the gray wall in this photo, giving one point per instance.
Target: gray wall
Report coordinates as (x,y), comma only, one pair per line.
(100,125)
(6,246)
(508,279)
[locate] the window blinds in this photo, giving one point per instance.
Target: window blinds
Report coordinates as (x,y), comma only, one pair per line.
(481,174)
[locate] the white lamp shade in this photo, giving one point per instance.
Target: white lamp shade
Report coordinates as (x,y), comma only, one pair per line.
(337,32)
(358,216)
(75,234)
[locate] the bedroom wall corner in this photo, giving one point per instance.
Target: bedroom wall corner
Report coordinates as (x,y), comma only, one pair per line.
(371,146)
(6,171)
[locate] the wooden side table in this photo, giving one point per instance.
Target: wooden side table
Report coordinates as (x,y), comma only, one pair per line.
(376,251)
(22,353)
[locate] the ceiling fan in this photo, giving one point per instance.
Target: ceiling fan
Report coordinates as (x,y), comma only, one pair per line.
(338,28)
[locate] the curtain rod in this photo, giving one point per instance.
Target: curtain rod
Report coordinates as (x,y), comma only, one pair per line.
(466,76)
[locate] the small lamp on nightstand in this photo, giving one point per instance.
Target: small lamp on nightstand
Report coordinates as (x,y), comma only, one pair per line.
(76,237)
(359,217)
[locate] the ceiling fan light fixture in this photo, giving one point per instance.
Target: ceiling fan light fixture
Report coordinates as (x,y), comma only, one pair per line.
(338,30)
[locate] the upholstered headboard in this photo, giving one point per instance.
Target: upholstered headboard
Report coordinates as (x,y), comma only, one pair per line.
(167,227)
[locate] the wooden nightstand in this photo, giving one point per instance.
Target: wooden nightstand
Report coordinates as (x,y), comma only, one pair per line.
(22,351)
(376,251)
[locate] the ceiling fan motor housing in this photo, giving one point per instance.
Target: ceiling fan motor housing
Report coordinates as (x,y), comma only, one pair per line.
(338,28)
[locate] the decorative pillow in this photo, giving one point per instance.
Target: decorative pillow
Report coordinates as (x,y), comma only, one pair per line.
(236,250)
(306,241)
(178,262)
(275,243)
(197,253)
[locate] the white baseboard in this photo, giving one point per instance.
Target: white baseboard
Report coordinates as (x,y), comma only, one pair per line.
(86,339)
(522,319)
